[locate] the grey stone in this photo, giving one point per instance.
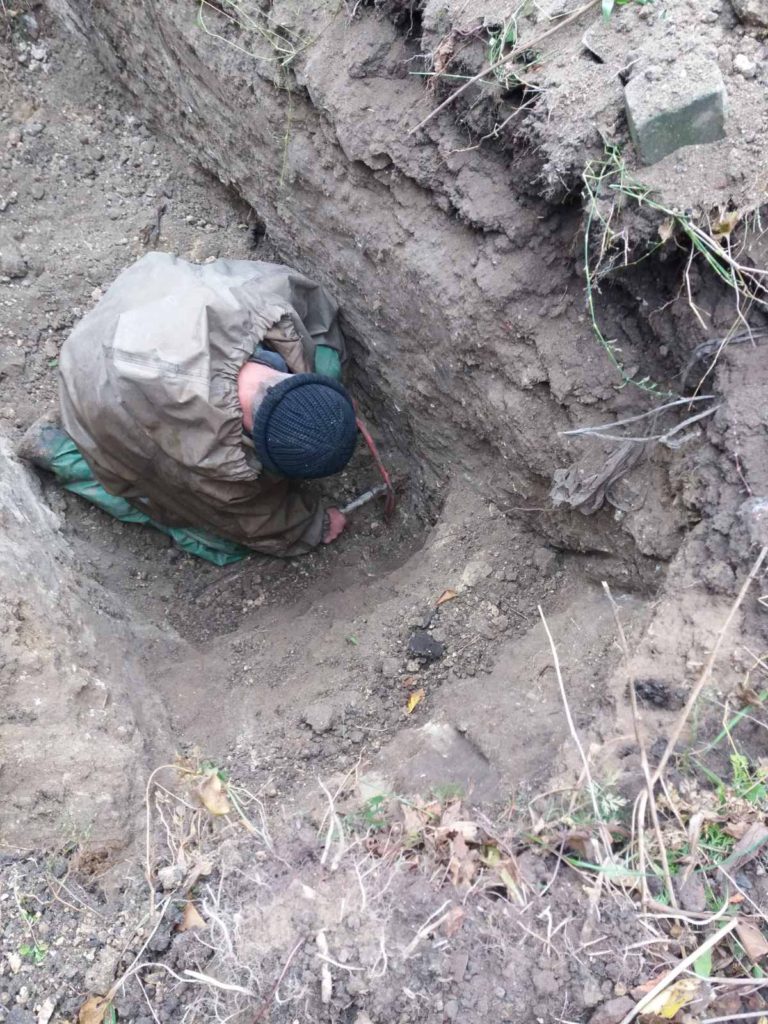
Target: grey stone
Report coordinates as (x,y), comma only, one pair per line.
(32,129)
(12,363)
(390,668)
(613,1011)
(754,515)
(692,895)
(753,12)
(320,716)
(745,67)
(545,982)
(685,107)
(19,1016)
(12,263)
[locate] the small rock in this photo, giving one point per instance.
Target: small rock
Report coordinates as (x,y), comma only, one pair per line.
(12,263)
(38,53)
(320,717)
(14,962)
(12,363)
(451,1009)
(170,877)
(19,1016)
(692,894)
(752,12)
(545,982)
(31,26)
(37,191)
(545,560)
(754,515)
(160,941)
(613,1011)
(390,668)
(32,129)
(745,67)
(423,646)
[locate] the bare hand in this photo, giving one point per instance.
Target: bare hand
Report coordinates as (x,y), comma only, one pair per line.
(336,523)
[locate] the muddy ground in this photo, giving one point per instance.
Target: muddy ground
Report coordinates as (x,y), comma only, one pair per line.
(457,264)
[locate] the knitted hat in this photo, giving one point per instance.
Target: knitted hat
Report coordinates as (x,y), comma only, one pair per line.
(305,427)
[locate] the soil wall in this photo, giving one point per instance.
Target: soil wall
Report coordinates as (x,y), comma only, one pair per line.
(460,289)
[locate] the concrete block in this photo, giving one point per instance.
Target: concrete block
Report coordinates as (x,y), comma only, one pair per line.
(680,104)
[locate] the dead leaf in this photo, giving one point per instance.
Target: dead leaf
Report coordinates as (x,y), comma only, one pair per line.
(639,991)
(447,595)
(752,939)
(666,229)
(214,795)
(45,1012)
(190,918)
(451,813)
(93,1010)
(413,821)
(514,891)
(669,1002)
(468,830)
(747,847)
(725,225)
(414,700)
(453,921)
(201,869)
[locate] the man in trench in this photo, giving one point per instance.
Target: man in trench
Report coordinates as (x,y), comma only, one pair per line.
(196,397)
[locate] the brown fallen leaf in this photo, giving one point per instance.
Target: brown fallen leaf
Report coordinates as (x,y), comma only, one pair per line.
(747,847)
(453,921)
(447,595)
(468,830)
(414,700)
(213,794)
(667,229)
(752,939)
(93,1010)
(190,918)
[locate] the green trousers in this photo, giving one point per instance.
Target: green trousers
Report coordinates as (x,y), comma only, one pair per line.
(59,454)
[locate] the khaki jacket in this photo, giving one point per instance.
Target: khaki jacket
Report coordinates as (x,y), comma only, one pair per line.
(149,393)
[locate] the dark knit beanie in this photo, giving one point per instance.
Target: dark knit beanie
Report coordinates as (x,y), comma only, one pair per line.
(305,427)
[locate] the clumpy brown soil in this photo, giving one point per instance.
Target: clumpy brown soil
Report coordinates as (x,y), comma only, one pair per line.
(463,298)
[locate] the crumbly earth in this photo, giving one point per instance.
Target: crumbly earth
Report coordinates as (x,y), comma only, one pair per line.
(463,299)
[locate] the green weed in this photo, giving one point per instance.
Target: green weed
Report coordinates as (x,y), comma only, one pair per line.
(608,6)
(36,952)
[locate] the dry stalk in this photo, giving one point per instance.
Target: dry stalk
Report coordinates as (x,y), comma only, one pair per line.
(707,671)
(574,733)
(643,753)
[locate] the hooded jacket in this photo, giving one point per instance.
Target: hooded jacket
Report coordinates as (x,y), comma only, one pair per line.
(148,390)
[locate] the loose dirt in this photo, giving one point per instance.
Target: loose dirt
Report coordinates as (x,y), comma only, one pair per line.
(462,293)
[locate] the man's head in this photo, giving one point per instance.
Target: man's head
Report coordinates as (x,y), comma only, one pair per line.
(304,426)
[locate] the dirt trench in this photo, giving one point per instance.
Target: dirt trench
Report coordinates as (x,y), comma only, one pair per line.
(457,266)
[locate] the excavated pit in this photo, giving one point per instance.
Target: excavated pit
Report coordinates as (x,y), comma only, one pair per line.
(457,260)
(462,298)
